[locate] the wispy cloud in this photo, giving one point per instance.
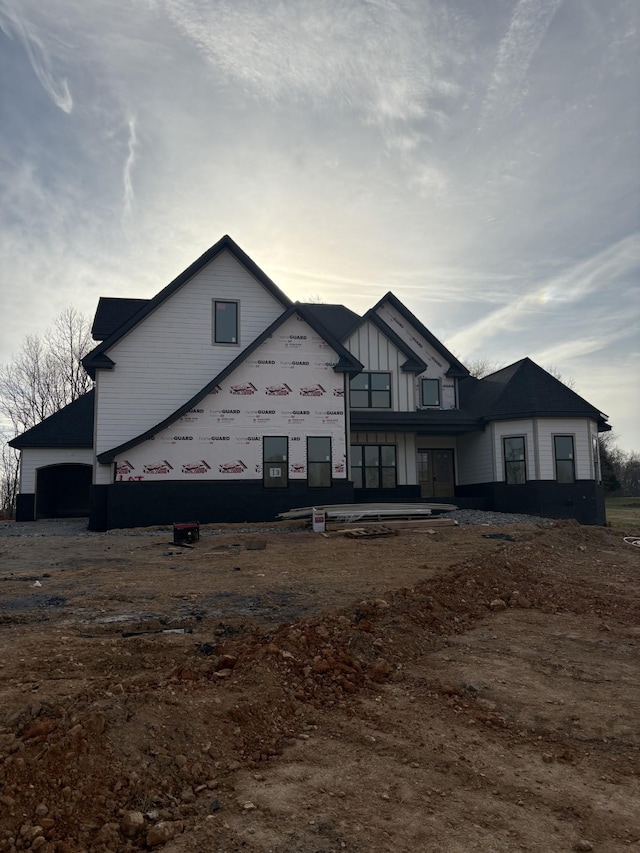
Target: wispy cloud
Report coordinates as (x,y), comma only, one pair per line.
(12,22)
(527,28)
(128,166)
(569,286)
(382,60)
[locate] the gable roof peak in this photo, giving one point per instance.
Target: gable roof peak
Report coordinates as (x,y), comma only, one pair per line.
(95,358)
(456,368)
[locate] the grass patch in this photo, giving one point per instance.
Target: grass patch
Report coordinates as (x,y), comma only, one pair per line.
(623,512)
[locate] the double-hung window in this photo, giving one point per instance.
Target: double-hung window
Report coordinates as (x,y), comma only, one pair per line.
(565,459)
(319,461)
(275,461)
(430,392)
(515,465)
(373,466)
(370,390)
(225,322)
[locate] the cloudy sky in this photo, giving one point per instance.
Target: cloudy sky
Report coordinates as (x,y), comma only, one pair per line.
(480,159)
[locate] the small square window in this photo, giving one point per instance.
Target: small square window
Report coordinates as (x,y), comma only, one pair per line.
(225,322)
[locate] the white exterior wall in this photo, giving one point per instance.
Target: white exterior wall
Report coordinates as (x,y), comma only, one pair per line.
(41,457)
(376,352)
(581,429)
(287,387)
(475,458)
(168,357)
(436,365)
(504,429)
(481,459)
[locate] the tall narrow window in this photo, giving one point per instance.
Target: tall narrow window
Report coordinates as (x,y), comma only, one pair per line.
(225,322)
(515,466)
(319,461)
(275,461)
(597,471)
(373,466)
(565,461)
(430,392)
(370,391)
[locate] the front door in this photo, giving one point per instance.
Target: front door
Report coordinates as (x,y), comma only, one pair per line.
(435,473)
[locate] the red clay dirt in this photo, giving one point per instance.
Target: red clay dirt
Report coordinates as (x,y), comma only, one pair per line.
(423,692)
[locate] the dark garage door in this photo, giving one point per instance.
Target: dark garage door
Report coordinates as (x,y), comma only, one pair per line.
(62,491)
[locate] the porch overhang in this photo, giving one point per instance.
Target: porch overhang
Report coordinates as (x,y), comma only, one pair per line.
(426,422)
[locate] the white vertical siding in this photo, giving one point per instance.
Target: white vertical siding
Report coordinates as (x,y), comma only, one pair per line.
(33,458)
(436,366)
(377,353)
(405,451)
(168,357)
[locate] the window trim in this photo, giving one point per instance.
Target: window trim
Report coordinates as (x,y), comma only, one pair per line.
(322,462)
(214,331)
(379,466)
(370,390)
(424,405)
(506,438)
(285,464)
(557,459)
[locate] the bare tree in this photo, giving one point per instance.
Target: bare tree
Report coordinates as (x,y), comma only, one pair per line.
(481,367)
(554,371)
(9,467)
(47,373)
(42,378)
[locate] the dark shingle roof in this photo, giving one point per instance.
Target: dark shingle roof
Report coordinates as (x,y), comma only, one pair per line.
(112,313)
(522,390)
(336,318)
(69,427)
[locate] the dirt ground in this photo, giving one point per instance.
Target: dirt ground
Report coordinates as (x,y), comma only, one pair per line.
(474,688)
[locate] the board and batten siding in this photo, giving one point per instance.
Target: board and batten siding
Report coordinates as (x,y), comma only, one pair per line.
(405,444)
(33,458)
(169,356)
(475,458)
(437,366)
(581,429)
(286,387)
(377,353)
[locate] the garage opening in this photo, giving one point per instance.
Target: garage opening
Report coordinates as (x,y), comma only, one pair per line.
(62,491)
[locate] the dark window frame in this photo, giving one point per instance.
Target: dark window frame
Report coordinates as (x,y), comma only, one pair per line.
(216,335)
(369,391)
(284,463)
(357,452)
(326,465)
(521,463)
(439,387)
(560,462)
